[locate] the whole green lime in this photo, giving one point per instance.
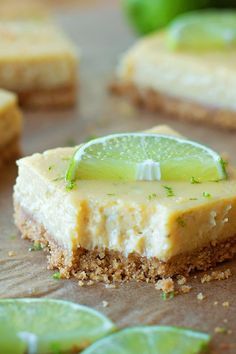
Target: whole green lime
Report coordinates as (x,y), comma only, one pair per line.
(149,15)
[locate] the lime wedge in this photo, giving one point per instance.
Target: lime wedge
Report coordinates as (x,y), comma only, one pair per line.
(49,326)
(203,30)
(10,343)
(144,156)
(151,340)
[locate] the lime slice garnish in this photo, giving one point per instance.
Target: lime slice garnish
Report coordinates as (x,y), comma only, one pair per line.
(151,340)
(143,156)
(203,30)
(10,343)
(49,326)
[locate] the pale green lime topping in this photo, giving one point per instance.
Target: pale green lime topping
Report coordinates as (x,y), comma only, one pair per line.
(144,157)
(203,30)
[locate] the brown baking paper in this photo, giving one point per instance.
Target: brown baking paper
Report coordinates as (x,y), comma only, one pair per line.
(102,35)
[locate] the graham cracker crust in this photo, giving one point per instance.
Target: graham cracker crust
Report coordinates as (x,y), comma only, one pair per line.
(182,109)
(60,97)
(109,266)
(11,151)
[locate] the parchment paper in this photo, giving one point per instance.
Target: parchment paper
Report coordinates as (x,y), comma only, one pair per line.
(102,35)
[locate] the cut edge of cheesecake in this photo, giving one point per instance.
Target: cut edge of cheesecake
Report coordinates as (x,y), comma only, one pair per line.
(11,118)
(44,76)
(112,266)
(108,265)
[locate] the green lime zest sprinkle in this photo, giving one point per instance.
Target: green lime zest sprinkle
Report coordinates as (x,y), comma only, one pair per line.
(152,196)
(181,221)
(206,195)
(57,179)
(222,330)
(50,167)
(194,180)
(70,185)
(192,198)
(169,191)
(56,275)
(167,296)
(111,194)
(36,247)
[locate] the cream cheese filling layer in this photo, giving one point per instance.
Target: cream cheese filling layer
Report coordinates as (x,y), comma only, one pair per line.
(206,78)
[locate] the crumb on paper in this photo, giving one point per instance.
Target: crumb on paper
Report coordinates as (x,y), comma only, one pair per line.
(81,275)
(105,303)
(225,320)
(215,303)
(80,283)
(90,282)
(225,304)
(110,286)
(216,275)
(181,280)
(185,289)
(222,330)
(11,253)
(200,296)
(166,285)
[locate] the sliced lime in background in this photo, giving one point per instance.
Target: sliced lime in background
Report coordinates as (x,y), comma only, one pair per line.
(51,326)
(151,340)
(150,15)
(203,30)
(143,156)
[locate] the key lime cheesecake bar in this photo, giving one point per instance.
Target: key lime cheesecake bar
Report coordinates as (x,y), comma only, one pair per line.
(187,71)
(10,126)
(129,206)
(37,62)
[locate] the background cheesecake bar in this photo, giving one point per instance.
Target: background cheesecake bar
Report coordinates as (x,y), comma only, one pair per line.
(38,63)
(106,230)
(192,85)
(10,126)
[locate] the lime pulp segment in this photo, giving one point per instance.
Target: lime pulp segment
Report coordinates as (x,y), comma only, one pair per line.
(145,156)
(203,30)
(46,326)
(151,340)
